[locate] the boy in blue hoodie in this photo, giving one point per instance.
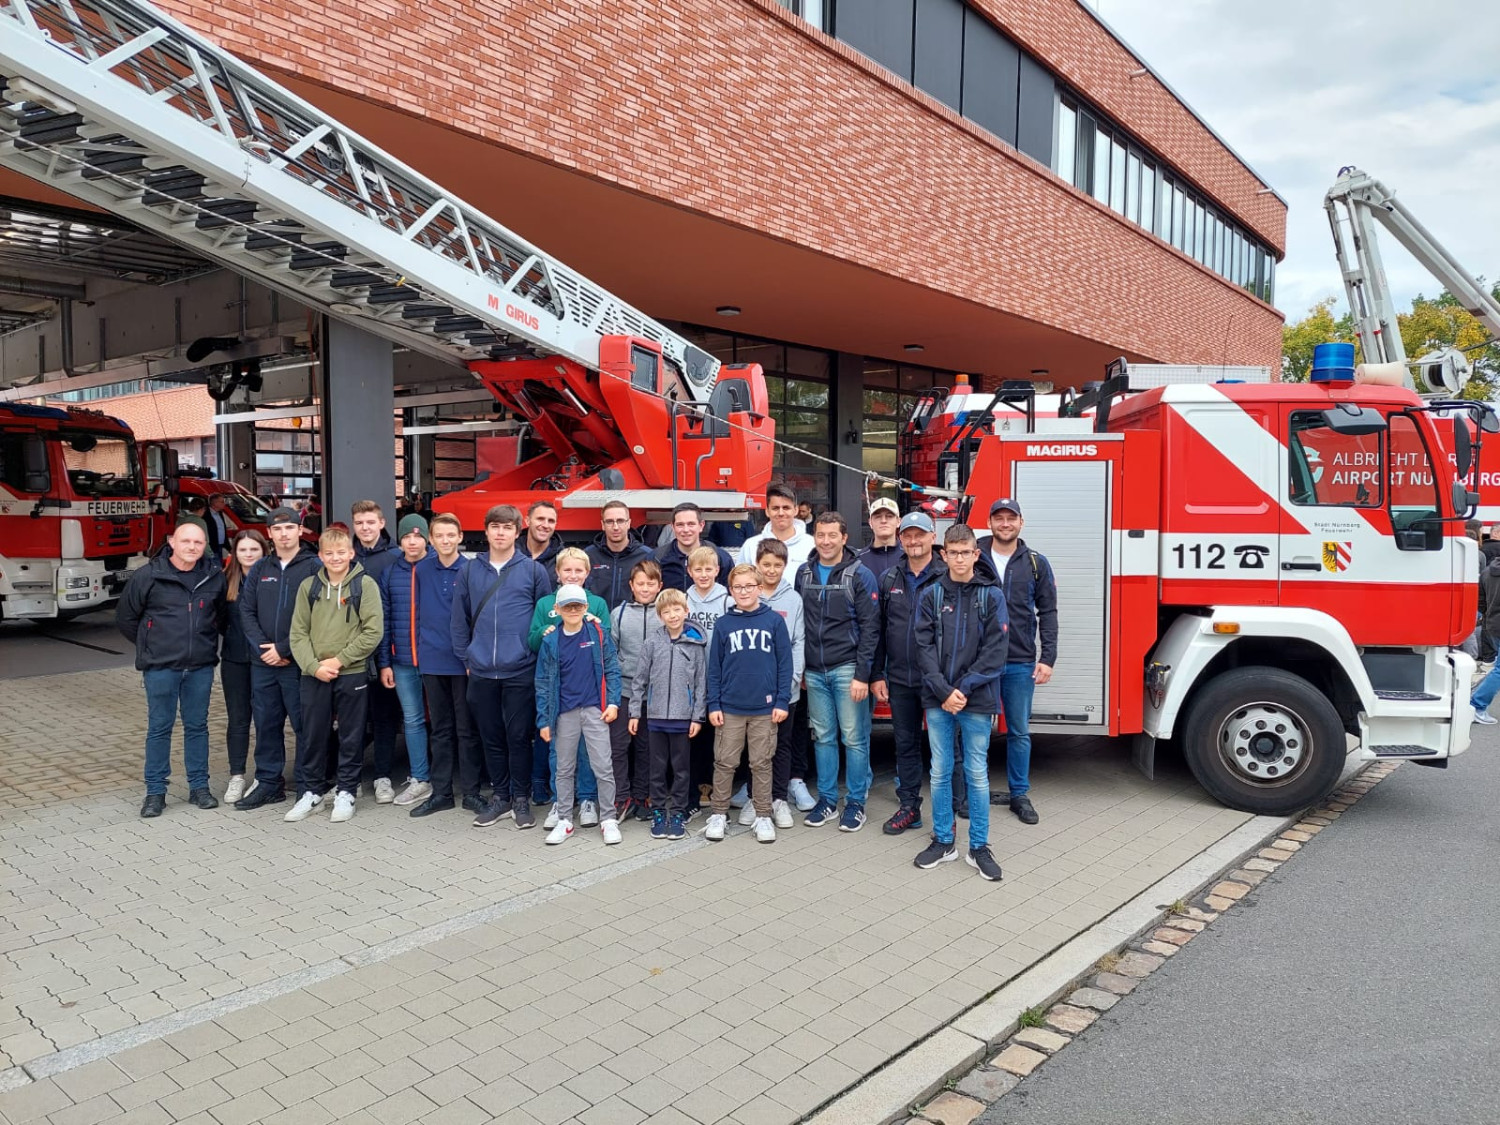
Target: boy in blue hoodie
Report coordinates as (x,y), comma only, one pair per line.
(749,693)
(577,697)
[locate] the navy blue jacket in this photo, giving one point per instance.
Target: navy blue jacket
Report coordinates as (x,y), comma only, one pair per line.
(401,603)
(609,577)
(896,658)
(493,645)
(1030,598)
(547,560)
(268,595)
(436,588)
(962,642)
(880,559)
(172,616)
(377,559)
(673,563)
(235,648)
(549,682)
(836,629)
(750,662)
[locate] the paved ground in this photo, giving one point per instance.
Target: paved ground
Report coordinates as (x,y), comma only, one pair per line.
(1361,989)
(225,967)
(46,648)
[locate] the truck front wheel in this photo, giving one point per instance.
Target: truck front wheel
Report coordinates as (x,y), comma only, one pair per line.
(1264,741)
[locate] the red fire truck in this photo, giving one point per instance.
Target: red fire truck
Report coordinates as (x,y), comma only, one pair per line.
(1257,573)
(74,517)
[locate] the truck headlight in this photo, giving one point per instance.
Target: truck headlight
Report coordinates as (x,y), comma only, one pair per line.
(79,583)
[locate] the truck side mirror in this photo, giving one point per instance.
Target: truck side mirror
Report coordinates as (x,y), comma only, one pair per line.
(1489,422)
(1464,501)
(1463,447)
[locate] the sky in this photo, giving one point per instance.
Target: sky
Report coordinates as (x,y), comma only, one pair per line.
(1407,91)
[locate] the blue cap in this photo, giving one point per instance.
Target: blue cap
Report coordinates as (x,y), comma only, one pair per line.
(919,520)
(1005,504)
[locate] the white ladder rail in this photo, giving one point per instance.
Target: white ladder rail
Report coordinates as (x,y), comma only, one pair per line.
(127,109)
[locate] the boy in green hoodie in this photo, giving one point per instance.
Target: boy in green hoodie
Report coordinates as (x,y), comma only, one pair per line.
(336,626)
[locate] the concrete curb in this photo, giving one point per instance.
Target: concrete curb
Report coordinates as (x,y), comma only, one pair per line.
(888,1094)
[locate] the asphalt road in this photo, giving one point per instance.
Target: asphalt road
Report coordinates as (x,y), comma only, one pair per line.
(45,648)
(1359,984)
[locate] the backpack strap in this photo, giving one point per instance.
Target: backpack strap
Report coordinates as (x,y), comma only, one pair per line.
(502,578)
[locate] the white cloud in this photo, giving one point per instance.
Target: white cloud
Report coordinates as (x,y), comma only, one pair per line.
(1408,92)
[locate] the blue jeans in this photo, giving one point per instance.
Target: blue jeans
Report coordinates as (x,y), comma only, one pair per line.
(1017,686)
(413,716)
(1485,693)
(275,697)
(974,729)
(167,689)
(834,715)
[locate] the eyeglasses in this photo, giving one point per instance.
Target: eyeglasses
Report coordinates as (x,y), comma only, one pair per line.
(952,554)
(745,589)
(616,523)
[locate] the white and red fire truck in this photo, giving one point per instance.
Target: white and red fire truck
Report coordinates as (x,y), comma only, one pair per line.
(1254,571)
(74,517)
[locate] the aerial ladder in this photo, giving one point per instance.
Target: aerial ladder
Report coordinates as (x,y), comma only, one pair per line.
(1355,204)
(125,108)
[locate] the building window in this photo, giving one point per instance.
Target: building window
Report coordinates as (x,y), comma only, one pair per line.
(891,391)
(1097,157)
(814,12)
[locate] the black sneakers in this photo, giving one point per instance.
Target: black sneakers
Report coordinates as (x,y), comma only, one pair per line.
(906,818)
(203,799)
(935,853)
(153,805)
(1021,806)
(523,816)
(983,861)
(432,805)
(260,795)
(474,803)
(494,812)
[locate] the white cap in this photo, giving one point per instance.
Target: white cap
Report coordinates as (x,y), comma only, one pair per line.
(570,594)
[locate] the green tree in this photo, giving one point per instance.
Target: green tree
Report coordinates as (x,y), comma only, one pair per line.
(1298,339)
(1442,322)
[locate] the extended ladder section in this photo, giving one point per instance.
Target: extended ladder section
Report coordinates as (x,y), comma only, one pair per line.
(1354,205)
(117,104)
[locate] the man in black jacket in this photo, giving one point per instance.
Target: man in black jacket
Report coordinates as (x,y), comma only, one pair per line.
(613,555)
(687,536)
(898,674)
(171,610)
(841,631)
(1031,599)
(961,648)
(267,598)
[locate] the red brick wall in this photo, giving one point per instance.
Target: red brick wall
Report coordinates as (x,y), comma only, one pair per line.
(734,109)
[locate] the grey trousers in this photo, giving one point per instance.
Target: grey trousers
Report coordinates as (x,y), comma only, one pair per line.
(586,723)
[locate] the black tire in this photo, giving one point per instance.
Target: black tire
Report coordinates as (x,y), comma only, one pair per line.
(1263,741)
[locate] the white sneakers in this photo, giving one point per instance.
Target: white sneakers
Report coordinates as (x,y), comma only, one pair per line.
(415,791)
(610,830)
(551,821)
(343,806)
(798,794)
(717,822)
(588,814)
(235,789)
(304,807)
(781,813)
(740,799)
(385,792)
(562,831)
(765,831)
(747,814)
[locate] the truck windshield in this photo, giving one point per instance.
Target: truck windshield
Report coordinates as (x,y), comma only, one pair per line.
(246,508)
(99,464)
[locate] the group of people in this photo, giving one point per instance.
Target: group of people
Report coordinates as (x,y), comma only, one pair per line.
(612,684)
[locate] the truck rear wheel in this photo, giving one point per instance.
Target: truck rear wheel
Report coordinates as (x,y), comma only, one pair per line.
(1264,741)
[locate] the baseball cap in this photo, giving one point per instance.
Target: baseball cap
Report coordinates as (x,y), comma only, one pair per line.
(885,504)
(919,520)
(282,515)
(570,594)
(1005,504)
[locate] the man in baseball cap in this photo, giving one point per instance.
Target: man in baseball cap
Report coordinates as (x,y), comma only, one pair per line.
(1005,504)
(883,550)
(898,679)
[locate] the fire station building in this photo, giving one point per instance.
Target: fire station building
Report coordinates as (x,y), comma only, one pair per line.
(864,196)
